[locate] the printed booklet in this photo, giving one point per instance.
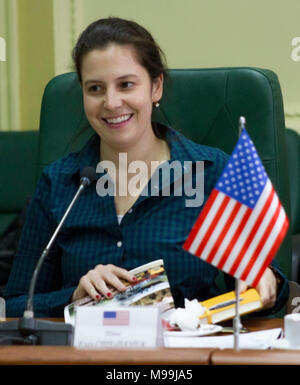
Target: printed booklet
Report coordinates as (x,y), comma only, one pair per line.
(151,288)
(222,307)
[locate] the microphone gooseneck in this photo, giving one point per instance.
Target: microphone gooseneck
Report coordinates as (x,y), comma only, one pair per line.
(87,176)
(28,330)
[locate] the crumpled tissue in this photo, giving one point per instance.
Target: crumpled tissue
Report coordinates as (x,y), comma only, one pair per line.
(187,318)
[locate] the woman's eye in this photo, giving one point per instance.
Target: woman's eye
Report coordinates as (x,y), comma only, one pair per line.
(94,88)
(126,85)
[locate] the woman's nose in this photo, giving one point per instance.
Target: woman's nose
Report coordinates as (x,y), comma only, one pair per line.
(112,100)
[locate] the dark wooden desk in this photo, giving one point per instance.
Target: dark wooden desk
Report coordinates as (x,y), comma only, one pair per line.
(255,357)
(48,355)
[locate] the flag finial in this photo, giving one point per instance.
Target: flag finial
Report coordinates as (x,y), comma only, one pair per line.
(242,124)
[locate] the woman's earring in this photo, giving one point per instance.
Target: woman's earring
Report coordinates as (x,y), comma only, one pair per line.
(156,104)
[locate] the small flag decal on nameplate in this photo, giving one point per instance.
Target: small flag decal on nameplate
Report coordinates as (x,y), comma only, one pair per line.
(116,318)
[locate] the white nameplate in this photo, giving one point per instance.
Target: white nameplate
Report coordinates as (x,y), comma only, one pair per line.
(118,327)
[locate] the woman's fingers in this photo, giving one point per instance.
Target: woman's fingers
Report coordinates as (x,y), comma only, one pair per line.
(113,276)
(243,286)
(105,286)
(267,288)
(88,288)
(101,280)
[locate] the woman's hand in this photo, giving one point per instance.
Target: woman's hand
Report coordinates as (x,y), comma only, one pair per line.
(95,283)
(267,288)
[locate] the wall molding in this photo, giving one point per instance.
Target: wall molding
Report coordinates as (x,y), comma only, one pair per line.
(63,35)
(2,49)
(67,25)
(78,18)
(9,70)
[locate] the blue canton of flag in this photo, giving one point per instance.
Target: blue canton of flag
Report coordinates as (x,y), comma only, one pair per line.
(116,318)
(243,222)
(244,176)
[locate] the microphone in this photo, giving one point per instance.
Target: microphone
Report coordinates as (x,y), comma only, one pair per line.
(28,330)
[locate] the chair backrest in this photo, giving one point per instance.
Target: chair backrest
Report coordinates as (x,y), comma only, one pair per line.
(204,104)
(293,153)
(18,160)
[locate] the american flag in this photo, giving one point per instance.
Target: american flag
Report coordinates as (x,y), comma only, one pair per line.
(243,222)
(116,318)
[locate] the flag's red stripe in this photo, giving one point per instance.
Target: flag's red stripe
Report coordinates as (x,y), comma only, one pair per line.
(252,233)
(234,238)
(272,252)
(261,242)
(212,226)
(210,201)
(224,231)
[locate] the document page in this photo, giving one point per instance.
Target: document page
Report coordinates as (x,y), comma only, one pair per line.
(254,340)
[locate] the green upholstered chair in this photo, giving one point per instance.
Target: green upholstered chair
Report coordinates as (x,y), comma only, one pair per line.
(18,161)
(293,153)
(204,104)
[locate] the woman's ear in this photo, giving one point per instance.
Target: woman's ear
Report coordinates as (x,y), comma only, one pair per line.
(157,88)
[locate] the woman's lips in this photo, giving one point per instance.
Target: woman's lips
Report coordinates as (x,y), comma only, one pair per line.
(119,121)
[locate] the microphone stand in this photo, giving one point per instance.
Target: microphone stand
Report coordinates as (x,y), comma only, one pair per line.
(28,330)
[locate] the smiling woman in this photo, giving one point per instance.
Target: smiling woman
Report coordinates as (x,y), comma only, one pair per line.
(121,71)
(118,96)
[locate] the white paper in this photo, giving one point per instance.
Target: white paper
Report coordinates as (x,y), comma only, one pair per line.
(141,329)
(263,339)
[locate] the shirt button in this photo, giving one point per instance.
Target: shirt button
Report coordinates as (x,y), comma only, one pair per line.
(119,243)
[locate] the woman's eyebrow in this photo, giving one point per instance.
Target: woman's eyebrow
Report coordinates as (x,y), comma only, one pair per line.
(91,81)
(127,76)
(119,78)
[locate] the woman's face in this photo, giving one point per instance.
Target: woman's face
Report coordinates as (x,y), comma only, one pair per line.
(118,96)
